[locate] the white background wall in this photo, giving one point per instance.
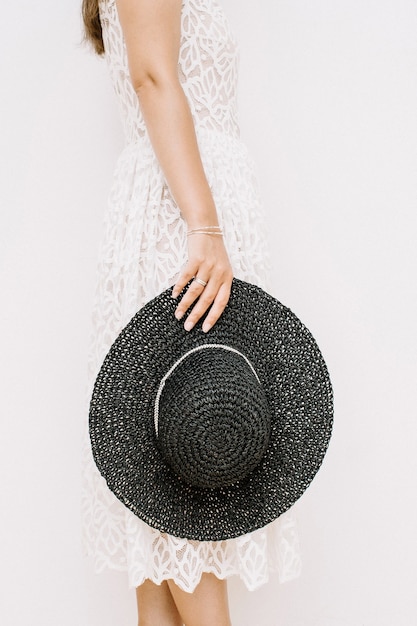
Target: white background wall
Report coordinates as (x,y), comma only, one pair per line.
(328,102)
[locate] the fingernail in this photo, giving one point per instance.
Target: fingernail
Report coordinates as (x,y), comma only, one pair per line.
(174,294)
(188,325)
(179,314)
(206,327)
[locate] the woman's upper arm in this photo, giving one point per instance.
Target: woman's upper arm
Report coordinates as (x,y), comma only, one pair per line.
(152,31)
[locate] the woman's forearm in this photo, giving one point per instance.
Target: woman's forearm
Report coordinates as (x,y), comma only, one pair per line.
(171,129)
(152,31)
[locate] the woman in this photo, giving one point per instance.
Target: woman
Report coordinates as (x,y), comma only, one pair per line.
(183,205)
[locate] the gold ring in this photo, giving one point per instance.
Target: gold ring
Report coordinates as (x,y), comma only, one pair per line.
(200,281)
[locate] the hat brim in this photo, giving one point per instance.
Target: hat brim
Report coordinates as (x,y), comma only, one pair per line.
(294,375)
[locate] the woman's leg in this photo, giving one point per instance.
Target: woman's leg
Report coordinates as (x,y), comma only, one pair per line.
(207,606)
(156,606)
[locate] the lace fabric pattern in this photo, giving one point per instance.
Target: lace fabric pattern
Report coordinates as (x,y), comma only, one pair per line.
(142,251)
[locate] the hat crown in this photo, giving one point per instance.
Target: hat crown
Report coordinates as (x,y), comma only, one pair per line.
(213,422)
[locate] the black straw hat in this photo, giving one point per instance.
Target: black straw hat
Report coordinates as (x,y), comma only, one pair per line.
(209,436)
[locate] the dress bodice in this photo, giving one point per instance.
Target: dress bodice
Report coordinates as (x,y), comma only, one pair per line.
(207,68)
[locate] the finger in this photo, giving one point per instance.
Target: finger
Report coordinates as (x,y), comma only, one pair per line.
(186,275)
(215,296)
(193,292)
(205,300)
(218,306)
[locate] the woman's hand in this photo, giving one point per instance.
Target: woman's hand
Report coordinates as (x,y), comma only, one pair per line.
(207,260)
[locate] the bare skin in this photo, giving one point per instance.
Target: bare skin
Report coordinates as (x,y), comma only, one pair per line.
(156,606)
(152,31)
(168,605)
(206,606)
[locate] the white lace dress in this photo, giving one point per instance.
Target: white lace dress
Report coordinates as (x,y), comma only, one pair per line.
(143,249)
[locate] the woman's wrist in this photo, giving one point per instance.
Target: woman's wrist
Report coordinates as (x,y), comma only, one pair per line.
(200,218)
(215,231)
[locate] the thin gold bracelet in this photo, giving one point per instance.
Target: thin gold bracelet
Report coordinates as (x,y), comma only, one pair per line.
(204,229)
(203,232)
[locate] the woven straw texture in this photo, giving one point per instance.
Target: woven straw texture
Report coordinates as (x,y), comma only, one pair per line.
(214,422)
(298,391)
